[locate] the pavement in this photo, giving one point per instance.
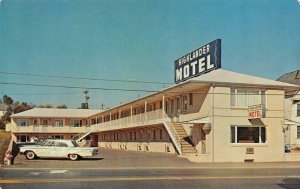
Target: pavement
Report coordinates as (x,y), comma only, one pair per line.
(121,159)
(129,169)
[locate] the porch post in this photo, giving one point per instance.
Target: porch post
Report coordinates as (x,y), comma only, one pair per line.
(131,114)
(145,111)
(163,107)
(110,119)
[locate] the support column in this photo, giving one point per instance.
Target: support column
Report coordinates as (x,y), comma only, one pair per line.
(110,119)
(145,111)
(131,114)
(163,106)
(120,122)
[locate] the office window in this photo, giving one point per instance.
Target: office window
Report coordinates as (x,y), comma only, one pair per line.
(58,123)
(184,103)
(23,122)
(298,132)
(298,110)
(251,134)
(191,98)
(245,98)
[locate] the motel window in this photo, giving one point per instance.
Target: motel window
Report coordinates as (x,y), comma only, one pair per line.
(298,132)
(160,104)
(298,110)
(154,106)
(184,103)
(45,122)
(130,136)
(35,122)
(160,134)
(58,136)
(23,138)
(172,106)
(251,134)
(191,98)
(154,134)
(177,105)
(134,135)
(23,122)
(76,123)
(58,123)
(245,98)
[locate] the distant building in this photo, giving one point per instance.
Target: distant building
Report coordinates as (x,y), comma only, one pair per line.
(43,123)
(292,110)
(3,109)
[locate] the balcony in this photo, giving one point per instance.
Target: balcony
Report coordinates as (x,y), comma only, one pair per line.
(46,129)
(148,118)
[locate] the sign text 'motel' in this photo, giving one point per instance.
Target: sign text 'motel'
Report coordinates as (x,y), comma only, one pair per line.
(198,62)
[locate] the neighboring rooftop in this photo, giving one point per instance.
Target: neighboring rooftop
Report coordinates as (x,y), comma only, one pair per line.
(292,77)
(57,113)
(3,107)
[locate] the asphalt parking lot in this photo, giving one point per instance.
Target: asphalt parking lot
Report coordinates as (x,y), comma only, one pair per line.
(108,158)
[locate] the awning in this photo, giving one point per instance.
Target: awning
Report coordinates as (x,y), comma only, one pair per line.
(200,120)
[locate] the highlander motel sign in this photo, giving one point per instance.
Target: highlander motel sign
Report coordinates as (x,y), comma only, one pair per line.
(198,62)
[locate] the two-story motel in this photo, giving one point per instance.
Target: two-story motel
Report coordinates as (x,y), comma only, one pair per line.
(43,123)
(207,117)
(210,115)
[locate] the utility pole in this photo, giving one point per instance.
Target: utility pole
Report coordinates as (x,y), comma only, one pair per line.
(85,105)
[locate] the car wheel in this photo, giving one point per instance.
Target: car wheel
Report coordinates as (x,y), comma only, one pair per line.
(30,155)
(73,157)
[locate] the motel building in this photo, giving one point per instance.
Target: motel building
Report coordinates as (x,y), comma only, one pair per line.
(220,116)
(44,123)
(208,115)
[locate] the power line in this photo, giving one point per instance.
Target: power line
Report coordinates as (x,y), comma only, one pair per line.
(129,90)
(86,78)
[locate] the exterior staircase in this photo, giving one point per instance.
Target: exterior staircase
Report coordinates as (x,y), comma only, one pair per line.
(185,142)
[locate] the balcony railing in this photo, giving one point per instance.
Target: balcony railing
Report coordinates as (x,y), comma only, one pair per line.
(152,117)
(148,118)
(46,129)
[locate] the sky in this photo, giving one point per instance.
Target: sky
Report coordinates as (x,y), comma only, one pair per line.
(136,40)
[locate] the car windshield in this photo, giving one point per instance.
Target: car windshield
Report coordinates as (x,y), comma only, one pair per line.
(74,143)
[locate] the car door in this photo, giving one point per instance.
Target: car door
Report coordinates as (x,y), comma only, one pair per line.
(47,150)
(61,149)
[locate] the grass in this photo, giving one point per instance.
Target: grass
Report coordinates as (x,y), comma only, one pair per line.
(5,137)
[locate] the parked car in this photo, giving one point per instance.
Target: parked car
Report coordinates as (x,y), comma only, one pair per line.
(54,148)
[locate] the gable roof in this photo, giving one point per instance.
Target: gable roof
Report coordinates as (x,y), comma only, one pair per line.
(57,113)
(292,77)
(221,76)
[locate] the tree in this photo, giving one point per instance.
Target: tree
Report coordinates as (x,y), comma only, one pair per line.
(63,106)
(7,100)
(45,106)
